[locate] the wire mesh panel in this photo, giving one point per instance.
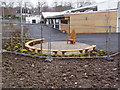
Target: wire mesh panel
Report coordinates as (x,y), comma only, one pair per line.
(57,43)
(78,35)
(102,41)
(13,38)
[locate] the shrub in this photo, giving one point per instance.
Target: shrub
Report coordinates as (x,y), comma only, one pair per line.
(23,50)
(16,50)
(19,44)
(16,47)
(112,53)
(55,55)
(8,48)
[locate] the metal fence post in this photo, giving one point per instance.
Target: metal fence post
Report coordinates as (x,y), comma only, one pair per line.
(1,31)
(118,27)
(49,58)
(41,38)
(108,47)
(21,25)
(0,49)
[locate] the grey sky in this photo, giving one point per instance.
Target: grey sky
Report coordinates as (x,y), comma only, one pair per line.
(35,2)
(50,1)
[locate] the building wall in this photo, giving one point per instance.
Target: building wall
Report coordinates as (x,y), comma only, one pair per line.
(91,22)
(65,27)
(29,19)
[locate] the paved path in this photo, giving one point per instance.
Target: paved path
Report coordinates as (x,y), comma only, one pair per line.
(56,35)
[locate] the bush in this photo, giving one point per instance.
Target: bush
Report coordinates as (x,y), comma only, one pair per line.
(23,50)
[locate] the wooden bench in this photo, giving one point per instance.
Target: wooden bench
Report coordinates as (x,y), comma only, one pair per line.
(72,38)
(74,50)
(72,41)
(33,42)
(37,41)
(29,45)
(54,51)
(93,47)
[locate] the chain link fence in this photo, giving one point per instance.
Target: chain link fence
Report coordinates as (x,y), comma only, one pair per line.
(55,40)
(55,45)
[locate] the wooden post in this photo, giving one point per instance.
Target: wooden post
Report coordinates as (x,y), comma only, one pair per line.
(86,50)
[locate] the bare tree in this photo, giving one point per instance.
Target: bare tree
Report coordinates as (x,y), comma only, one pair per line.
(11,4)
(3,9)
(55,3)
(8,8)
(45,8)
(40,6)
(81,3)
(62,6)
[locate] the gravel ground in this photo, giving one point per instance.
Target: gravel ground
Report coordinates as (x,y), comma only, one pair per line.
(27,72)
(63,46)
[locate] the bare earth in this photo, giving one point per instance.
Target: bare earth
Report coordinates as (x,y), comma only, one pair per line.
(27,72)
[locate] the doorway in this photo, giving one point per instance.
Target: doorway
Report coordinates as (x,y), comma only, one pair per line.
(34,21)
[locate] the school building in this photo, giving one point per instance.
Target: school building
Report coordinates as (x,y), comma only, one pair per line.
(90,19)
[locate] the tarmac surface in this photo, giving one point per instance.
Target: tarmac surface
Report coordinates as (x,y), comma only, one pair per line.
(98,39)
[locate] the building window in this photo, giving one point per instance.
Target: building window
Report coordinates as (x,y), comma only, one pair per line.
(64,21)
(33,21)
